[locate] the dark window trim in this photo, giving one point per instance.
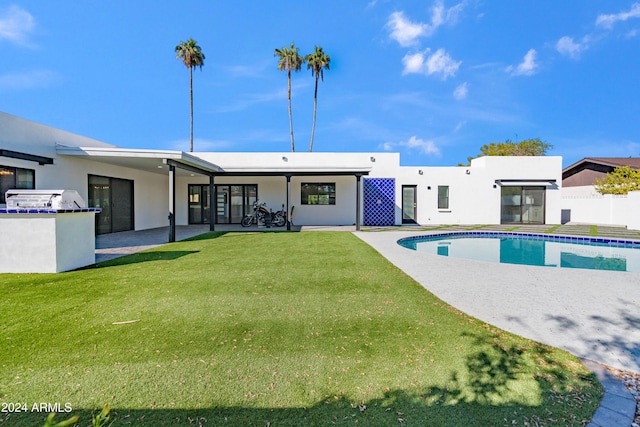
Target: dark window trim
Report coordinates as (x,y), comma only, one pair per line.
(214,199)
(317,184)
(41,160)
(15,178)
(446,198)
(133,199)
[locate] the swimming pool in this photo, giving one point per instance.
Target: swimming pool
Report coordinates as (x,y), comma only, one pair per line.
(532,249)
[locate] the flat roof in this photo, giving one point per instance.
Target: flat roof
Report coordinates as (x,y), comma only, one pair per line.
(148,160)
(157,161)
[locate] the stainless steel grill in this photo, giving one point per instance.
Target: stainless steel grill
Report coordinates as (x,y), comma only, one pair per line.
(44,199)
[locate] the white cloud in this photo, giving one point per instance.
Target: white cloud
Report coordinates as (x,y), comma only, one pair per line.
(455,11)
(527,67)
(461,91)
(407,33)
(568,47)
(608,21)
(16,24)
(440,62)
(414,143)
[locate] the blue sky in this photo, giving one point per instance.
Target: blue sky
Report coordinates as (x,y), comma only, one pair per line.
(433,80)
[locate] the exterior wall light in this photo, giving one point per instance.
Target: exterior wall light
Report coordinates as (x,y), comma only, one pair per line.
(420,172)
(468,172)
(373,159)
(284,159)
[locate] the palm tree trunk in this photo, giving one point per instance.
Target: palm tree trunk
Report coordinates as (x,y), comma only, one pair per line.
(315,106)
(191,109)
(293,147)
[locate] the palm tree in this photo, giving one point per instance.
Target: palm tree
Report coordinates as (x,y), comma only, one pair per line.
(192,57)
(288,60)
(317,62)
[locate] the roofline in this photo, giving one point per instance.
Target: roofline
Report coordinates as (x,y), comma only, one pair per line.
(132,153)
(595,160)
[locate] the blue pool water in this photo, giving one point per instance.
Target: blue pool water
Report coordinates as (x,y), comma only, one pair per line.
(532,249)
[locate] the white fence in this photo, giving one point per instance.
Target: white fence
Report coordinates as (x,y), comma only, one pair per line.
(585,205)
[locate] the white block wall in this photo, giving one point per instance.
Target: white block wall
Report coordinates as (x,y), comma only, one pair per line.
(585,205)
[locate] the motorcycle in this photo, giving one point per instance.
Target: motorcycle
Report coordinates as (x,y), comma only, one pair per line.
(261,215)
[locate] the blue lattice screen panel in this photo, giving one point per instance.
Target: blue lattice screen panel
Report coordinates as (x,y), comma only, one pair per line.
(379,195)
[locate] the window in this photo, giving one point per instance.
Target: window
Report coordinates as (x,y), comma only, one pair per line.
(11,178)
(318,193)
(443,197)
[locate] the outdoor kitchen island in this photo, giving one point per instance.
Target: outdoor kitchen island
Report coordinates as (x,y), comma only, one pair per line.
(46,231)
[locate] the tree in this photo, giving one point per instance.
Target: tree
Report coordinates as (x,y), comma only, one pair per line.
(289,60)
(192,57)
(526,147)
(317,62)
(620,181)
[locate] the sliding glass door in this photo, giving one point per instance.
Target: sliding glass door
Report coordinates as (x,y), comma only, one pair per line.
(233,202)
(522,205)
(115,197)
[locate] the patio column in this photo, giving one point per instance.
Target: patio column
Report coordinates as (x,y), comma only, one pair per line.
(172,203)
(212,205)
(358,176)
(288,213)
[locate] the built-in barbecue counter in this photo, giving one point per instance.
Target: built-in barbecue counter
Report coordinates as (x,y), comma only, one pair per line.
(46,231)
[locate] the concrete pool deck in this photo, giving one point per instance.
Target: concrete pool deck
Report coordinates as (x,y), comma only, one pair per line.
(593,314)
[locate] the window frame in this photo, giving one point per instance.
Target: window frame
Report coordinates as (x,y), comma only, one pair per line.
(330,193)
(443,200)
(15,170)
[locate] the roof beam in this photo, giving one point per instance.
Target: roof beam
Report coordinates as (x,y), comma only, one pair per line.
(41,160)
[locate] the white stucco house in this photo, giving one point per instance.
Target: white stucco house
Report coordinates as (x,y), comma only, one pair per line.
(141,189)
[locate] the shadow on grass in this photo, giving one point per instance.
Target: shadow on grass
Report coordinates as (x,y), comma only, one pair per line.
(143,257)
(480,394)
(206,236)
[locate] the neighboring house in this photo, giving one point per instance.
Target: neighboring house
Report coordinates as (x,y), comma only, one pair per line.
(139,189)
(587,170)
(581,202)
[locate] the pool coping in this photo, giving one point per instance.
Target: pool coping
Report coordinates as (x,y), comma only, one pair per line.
(618,406)
(564,238)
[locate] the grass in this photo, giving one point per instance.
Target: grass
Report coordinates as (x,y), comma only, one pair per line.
(279,329)
(553,228)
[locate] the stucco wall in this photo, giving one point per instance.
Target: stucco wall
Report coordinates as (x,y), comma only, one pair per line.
(585,205)
(474,194)
(46,243)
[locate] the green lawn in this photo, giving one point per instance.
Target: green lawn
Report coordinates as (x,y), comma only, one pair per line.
(279,329)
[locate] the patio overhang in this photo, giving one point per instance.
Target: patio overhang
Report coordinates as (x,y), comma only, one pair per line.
(288,173)
(177,163)
(154,161)
(163,162)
